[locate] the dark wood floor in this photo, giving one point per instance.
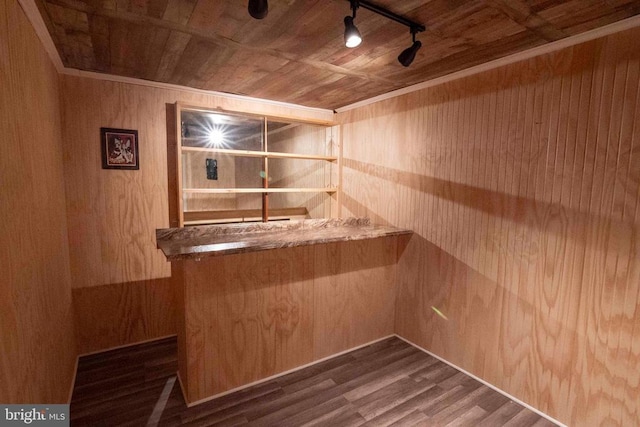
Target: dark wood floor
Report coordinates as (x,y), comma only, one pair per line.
(389,383)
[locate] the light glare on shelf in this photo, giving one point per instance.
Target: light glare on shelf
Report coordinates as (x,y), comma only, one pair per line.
(216,137)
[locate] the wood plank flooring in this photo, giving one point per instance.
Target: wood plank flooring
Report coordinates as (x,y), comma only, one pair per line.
(389,383)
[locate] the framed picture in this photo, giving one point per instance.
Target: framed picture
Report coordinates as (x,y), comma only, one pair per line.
(119,148)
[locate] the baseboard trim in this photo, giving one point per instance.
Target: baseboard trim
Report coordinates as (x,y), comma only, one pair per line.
(491,386)
(182,389)
(92,353)
(73,380)
(315,362)
(281,374)
(75,370)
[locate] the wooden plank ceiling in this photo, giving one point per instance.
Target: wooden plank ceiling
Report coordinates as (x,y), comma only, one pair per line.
(297,54)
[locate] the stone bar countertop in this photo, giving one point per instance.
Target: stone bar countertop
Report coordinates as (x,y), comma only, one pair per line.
(214,240)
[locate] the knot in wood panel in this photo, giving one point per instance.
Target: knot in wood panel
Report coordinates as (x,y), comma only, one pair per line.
(284,313)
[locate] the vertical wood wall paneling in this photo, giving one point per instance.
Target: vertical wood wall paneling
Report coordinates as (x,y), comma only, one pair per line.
(112,214)
(251,316)
(522,185)
(110,316)
(36,320)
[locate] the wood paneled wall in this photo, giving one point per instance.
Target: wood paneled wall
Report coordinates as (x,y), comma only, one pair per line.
(37,343)
(523,187)
(113,214)
(110,316)
(250,316)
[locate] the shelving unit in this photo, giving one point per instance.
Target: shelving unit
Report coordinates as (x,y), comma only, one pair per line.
(189,145)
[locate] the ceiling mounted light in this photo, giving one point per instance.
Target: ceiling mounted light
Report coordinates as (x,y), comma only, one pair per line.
(409,54)
(258,8)
(352,37)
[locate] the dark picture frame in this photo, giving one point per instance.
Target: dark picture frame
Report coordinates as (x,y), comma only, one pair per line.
(119,148)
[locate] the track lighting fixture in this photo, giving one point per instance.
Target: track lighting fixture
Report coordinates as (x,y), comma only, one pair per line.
(258,8)
(352,37)
(409,54)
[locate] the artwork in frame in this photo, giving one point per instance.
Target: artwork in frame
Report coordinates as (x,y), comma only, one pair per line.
(119,148)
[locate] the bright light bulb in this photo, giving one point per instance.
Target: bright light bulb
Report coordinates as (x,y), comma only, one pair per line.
(216,137)
(352,37)
(354,40)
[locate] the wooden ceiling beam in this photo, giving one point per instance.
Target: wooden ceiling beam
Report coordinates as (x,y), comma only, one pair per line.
(137,19)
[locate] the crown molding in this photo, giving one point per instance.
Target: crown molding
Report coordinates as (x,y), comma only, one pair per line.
(33,14)
(596,33)
(170,86)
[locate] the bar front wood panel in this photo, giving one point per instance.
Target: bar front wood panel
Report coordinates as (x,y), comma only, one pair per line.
(522,185)
(37,345)
(354,294)
(250,316)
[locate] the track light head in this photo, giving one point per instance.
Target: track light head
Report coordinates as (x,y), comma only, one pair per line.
(409,54)
(352,37)
(258,9)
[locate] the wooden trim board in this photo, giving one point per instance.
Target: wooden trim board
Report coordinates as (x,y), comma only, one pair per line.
(73,380)
(263,154)
(281,374)
(491,386)
(33,14)
(75,371)
(199,216)
(258,190)
(324,116)
(616,27)
(119,347)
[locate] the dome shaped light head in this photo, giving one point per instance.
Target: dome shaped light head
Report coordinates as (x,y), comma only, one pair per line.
(409,54)
(352,37)
(258,9)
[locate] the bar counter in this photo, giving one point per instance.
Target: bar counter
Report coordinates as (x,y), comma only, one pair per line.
(258,300)
(214,240)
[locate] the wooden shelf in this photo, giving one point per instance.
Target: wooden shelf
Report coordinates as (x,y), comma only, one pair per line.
(242,215)
(262,154)
(257,190)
